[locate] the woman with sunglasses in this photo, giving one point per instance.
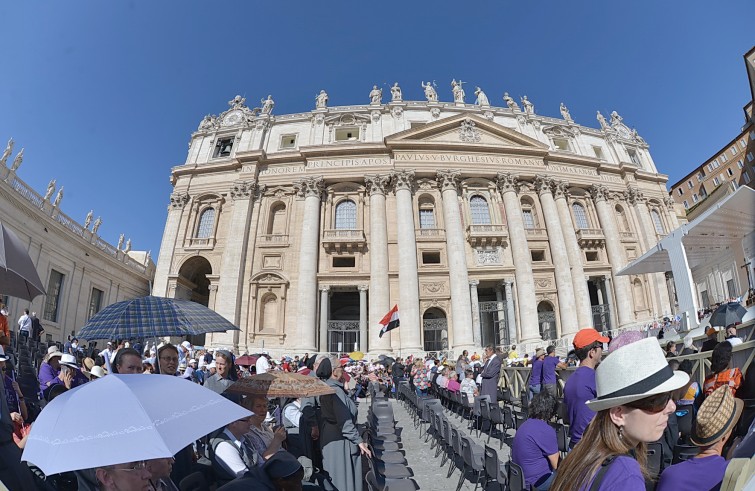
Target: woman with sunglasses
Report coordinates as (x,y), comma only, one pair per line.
(133,476)
(634,386)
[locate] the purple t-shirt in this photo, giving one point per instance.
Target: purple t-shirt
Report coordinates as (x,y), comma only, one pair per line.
(703,473)
(579,388)
(624,474)
(537,372)
(549,369)
(534,441)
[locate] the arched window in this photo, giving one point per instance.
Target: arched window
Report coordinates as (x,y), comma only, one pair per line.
(426,213)
(622,218)
(480,211)
(277,222)
(657,222)
(206,222)
(346,215)
(528,213)
(580,217)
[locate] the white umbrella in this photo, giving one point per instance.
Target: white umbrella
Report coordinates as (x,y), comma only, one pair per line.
(125,418)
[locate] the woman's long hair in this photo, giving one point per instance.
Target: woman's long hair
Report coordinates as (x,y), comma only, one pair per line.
(600,441)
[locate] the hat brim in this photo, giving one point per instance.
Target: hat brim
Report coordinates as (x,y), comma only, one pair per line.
(739,405)
(54,354)
(677,381)
(72,365)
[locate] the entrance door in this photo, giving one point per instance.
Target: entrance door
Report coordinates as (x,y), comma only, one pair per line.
(343,322)
(435,330)
(546,319)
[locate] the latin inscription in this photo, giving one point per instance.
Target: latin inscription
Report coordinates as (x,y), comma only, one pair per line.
(269,171)
(468,159)
(365,162)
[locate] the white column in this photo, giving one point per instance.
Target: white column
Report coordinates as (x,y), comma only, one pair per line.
(324,308)
(411,334)
(476,330)
(616,255)
(362,318)
(520,250)
(606,281)
(311,189)
(510,311)
(671,212)
(566,300)
(379,283)
(574,252)
(168,245)
(463,337)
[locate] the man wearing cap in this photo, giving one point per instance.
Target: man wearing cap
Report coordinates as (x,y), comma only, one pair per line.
(184,352)
(263,364)
(717,417)
(580,387)
(536,376)
(106,354)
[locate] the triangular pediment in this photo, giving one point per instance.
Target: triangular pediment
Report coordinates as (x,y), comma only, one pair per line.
(464,130)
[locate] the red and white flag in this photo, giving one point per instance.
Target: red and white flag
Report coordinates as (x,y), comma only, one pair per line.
(390,321)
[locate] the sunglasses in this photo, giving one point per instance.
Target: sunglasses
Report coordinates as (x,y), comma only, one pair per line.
(653,404)
(136,466)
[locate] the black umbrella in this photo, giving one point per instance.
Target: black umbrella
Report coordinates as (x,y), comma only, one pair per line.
(728,314)
(18,276)
(386,361)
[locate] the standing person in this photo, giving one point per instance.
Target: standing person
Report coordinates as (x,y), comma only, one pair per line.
(263,364)
(13,395)
(420,378)
(4,329)
(550,364)
(397,373)
(535,447)
(24,326)
(716,420)
(491,374)
(462,363)
(721,370)
(342,447)
(36,328)
(106,354)
(580,387)
(536,375)
(225,375)
(633,403)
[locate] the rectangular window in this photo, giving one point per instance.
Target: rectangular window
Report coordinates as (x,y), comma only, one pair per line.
(715,164)
(740,164)
(288,141)
(223,148)
(690,185)
(730,172)
(742,143)
(716,181)
(686,205)
(750,157)
(746,177)
(724,158)
(52,300)
(347,134)
(538,256)
(680,191)
(700,177)
(703,192)
(722,177)
(561,144)
(752,135)
(95,302)
(598,152)
(734,184)
(529,219)
(634,157)
(695,198)
(430,257)
(592,256)
(733,150)
(426,218)
(344,262)
(710,167)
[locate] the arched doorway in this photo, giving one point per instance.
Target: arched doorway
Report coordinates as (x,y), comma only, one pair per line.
(435,330)
(546,319)
(194,285)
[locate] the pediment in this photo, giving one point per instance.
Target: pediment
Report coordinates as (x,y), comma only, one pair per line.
(464,130)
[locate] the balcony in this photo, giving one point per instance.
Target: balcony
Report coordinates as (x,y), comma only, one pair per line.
(343,240)
(628,237)
(590,237)
(201,243)
(272,240)
(488,235)
(536,233)
(430,235)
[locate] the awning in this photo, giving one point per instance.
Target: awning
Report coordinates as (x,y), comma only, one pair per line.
(705,238)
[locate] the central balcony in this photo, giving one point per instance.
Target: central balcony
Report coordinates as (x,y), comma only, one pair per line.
(272,240)
(488,235)
(430,235)
(590,237)
(343,240)
(536,233)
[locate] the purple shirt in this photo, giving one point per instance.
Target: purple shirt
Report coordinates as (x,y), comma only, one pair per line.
(549,369)
(536,378)
(47,374)
(534,441)
(579,388)
(624,474)
(698,473)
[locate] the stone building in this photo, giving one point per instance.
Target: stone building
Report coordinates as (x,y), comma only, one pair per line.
(486,225)
(81,272)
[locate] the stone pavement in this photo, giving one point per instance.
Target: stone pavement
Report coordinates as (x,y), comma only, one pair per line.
(427,471)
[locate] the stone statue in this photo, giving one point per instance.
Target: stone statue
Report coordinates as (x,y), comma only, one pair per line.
(396,93)
(615,118)
(7,152)
(147,258)
(376,95)
(602,121)
(58,197)
(96,225)
(510,102)
(267,105)
(237,102)
(636,137)
(565,113)
(50,190)
(209,122)
(17,161)
(529,107)
(88,219)
(120,241)
(482,99)
(128,246)
(458,91)
(321,101)
(430,93)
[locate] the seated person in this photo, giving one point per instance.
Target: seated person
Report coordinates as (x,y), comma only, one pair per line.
(716,419)
(230,455)
(453,383)
(159,471)
(469,386)
(264,440)
(535,447)
(131,476)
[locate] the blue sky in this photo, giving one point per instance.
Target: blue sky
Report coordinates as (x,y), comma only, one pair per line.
(104,95)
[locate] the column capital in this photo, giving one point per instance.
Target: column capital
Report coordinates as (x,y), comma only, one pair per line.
(403,179)
(599,192)
(634,196)
(364,288)
(377,184)
(243,189)
(543,184)
(324,288)
(560,189)
(507,182)
(178,200)
(474,283)
(309,187)
(448,179)
(669,202)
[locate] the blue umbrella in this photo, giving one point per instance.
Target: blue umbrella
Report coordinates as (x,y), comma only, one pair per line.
(728,314)
(153,316)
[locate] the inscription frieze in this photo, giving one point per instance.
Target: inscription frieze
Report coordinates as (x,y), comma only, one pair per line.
(468,159)
(288,169)
(357,162)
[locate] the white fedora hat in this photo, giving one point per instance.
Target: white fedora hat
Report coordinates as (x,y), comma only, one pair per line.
(95,372)
(636,371)
(68,360)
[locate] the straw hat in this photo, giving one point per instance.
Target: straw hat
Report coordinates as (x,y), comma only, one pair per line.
(52,352)
(87,364)
(636,371)
(95,372)
(539,352)
(717,415)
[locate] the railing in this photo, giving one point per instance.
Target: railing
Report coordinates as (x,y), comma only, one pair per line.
(492,306)
(589,231)
(66,221)
(343,234)
(430,233)
(536,232)
(488,229)
(106,247)
(343,325)
(32,196)
(202,242)
(273,239)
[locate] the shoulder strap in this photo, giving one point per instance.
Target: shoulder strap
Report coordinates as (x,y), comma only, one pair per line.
(602,473)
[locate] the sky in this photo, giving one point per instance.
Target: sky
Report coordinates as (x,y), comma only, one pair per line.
(104,96)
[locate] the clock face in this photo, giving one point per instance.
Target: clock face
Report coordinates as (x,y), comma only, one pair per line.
(233,117)
(624,132)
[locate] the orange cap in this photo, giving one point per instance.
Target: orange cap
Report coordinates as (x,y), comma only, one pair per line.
(587,336)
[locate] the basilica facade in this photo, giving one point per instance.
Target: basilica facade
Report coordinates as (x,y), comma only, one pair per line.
(485,225)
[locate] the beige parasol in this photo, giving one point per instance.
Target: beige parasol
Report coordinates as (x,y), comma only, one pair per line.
(281,384)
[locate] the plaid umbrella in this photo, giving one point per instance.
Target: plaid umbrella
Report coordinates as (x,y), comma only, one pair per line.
(150,316)
(281,384)
(728,314)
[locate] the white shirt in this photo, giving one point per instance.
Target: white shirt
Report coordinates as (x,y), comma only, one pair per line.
(227,454)
(24,323)
(292,412)
(262,365)
(734,341)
